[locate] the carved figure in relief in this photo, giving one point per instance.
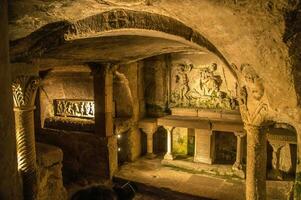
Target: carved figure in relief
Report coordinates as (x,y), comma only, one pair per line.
(209,82)
(82,108)
(182,81)
(199,87)
(91,109)
(74,108)
(60,107)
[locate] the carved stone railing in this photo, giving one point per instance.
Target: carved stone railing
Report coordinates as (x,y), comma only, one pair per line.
(74,108)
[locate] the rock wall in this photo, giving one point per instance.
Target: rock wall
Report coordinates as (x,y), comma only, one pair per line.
(68,82)
(244,32)
(10,187)
(50,179)
(84,153)
(132,72)
(155,88)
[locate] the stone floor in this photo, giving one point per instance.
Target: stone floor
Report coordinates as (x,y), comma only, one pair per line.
(151,173)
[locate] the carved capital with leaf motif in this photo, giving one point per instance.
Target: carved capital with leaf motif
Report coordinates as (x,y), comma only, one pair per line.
(24,91)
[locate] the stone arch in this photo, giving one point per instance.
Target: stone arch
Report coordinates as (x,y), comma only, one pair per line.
(58,35)
(282,136)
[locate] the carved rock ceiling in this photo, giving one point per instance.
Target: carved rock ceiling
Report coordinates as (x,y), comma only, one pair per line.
(244,31)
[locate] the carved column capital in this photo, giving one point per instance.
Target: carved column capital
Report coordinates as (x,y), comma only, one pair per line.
(169,128)
(277,145)
(250,128)
(149,131)
(240,134)
(24,91)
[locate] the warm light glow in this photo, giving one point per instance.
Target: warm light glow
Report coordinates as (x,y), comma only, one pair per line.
(119,149)
(118,136)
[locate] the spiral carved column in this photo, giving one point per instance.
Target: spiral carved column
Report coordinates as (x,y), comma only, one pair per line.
(24,92)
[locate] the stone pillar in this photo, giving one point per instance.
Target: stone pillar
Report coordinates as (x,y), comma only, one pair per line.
(277,146)
(24,92)
(149,136)
(256,163)
(169,155)
(103,97)
(204,146)
(9,177)
(239,151)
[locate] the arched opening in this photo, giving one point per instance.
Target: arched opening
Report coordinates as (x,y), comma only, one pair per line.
(160,138)
(282,152)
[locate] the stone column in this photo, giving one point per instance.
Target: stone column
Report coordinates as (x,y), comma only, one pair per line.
(239,151)
(24,92)
(169,155)
(103,97)
(149,130)
(150,142)
(256,163)
(277,146)
(10,187)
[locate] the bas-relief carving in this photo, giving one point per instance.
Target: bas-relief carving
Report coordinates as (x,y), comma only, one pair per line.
(252,101)
(74,108)
(198,87)
(24,90)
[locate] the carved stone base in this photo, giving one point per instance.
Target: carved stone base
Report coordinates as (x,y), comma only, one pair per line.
(237,166)
(240,173)
(150,155)
(168,156)
(203,160)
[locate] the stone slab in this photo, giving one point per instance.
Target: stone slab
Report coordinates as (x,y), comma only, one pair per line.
(148,124)
(184,122)
(227,126)
(184,112)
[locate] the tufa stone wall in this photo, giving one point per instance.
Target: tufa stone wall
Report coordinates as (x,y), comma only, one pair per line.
(50,179)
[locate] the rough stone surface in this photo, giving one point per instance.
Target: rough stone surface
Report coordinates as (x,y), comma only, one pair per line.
(50,179)
(84,153)
(155,89)
(260,38)
(153,174)
(61,83)
(10,187)
(262,25)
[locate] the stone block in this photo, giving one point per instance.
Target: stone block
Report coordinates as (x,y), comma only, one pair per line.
(50,179)
(204,146)
(185,112)
(205,113)
(48,155)
(185,122)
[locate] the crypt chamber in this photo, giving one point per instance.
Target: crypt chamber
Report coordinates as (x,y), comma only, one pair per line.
(150,99)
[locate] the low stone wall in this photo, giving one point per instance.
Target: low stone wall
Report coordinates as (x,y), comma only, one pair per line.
(50,179)
(85,154)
